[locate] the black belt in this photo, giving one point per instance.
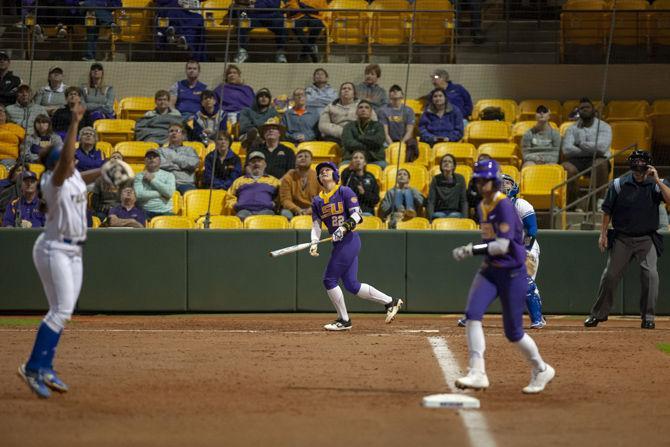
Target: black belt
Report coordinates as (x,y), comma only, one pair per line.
(71,242)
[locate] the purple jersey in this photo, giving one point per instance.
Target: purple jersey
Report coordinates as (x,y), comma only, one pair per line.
(335,207)
(500,220)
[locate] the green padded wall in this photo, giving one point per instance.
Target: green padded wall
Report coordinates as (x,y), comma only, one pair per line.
(20,286)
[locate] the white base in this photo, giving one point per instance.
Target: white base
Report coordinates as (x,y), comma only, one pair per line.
(458,401)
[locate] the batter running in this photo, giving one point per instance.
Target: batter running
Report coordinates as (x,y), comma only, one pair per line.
(338,208)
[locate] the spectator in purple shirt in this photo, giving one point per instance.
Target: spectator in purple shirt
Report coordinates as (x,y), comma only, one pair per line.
(185,94)
(440,121)
(127,214)
(227,166)
(233,94)
(87,156)
(24,211)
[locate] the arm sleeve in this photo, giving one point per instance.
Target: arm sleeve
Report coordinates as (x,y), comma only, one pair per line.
(463,198)
(327,127)
(108,107)
(315,235)
(425,134)
(375,139)
(569,148)
(467,102)
(187,159)
(165,186)
(604,138)
(143,194)
(234,174)
(350,142)
(286,195)
(530,225)
(456,133)
(387,203)
(610,200)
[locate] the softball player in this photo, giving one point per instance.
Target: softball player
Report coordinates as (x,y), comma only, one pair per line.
(338,208)
(57,255)
(503,273)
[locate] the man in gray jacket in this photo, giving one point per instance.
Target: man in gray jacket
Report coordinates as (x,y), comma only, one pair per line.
(301,122)
(182,161)
(24,111)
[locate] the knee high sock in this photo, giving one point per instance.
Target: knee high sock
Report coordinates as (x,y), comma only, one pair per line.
(529,350)
(337,298)
(476,344)
(44,349)
(370,293)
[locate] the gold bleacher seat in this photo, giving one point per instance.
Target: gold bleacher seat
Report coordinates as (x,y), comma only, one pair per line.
(321,150)
(449,224)
(134,151)
(564,127)
(9,145)
(136,167)
(419,177)
(508,106)
(479,132)
(504,153)
(512,171)
(177,203)
(417,106)
(134,107)
(371,223)
(424,158)
(389,23)
(659,23)
(115,131)
(95,222)
(527,107)
(105,147)
(197,200)
(660,118)
(462,152)
(221,223)
(625,133)
(215,13)
(348,23)
(173,222)
(266,223)
(583,23)
(435,26)
(637,110)
(630,23)
(3,172)
(135,20)
(537,182)
(301,223)
(37,168)
(417,223)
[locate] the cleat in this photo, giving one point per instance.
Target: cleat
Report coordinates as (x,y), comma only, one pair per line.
(338,325)
(539,380)
(648,324)
(34,381)
(392,309)
(461,322)
(539,325)
(592,321)
(52,380)
(475,380)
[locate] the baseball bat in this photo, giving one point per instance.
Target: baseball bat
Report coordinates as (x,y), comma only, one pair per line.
(295,248)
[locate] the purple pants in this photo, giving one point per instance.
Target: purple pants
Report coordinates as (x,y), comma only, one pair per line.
(343,264)
(510,285)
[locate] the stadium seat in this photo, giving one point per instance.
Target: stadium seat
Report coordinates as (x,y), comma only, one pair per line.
(134,107)
(198,147)
(95,222)
(9,145)
(177,203)
(512,171)
(134,151)
(172,222)
(301,223)
(527,108)
(537,182)
(630,23)
(266,223)
(115,131)
(196,202)
(626,133)
(136,167)
(135,20)
(349,26)
(3,172)
(462,152)
(521,127)
(389,23)
(105,147)
(464,170)
(508,106)
(583,23)
(659,23)
(435,26)
(449,224)
(419,177)
(37,168)
(375,170)
(627,111)
(479,132)
(417,106)
(424,154)
(215,13)
(321,150)
(660,120)
(504,153)
(371,223)
(221,223)
(571,104)
(417,223)
(564,127)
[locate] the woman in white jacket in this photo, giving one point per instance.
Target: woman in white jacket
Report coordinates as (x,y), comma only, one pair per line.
(338,114)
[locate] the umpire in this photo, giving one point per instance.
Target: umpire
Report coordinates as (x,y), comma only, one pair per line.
(631,205)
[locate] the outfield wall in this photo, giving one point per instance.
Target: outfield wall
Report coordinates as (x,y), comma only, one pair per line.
(230,271)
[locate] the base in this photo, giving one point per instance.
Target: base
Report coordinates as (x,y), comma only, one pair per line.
(457,401)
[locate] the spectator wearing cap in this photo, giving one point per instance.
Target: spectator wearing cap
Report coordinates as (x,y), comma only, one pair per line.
(8,187)
(399,122)
(185,95)
(456,93)
(42,137)
(24,211)
(233,94)
(541,144)
(154,187)
(320,94)
(209,119)
(24,112)
(52,95)
(103,18)
(62,117)
(362,182)
(402,201)
(301,121)
(223,162)
(180,160)
(9,82)
(87,156)
(308,14)
(98,96)
(279,158)
(339,113)
(104,195)
(252,118)
(154,125)
(446,195)
(11,138)
(298,187)
(255,192)
(261,14)
(364,135)
(441,121)
(370,90)
(127,214)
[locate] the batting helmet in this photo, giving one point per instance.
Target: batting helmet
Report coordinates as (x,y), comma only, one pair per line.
(327,164)
(515,188)
(488,169)
(52,157)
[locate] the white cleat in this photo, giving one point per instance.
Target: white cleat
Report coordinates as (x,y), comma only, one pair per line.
(539,380)
(476,380)
(338,325)
(393,309)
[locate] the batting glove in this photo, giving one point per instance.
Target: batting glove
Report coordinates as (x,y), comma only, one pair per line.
(462,252)
(338,235)
(313,249)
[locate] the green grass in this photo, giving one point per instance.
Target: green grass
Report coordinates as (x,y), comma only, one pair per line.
(665,347)
(33,322)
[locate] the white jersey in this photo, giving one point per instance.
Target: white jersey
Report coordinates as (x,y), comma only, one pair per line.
(525,209)
(66,207)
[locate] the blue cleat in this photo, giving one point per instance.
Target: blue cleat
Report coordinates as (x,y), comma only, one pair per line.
(52,380)
(34,381)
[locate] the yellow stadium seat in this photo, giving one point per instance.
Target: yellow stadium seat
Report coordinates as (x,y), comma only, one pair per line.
(479,132)
(290,145)
(37,168)
(371,223)
(564,127)
(464,170)
(512,171)
(135,20)
(301,223)
(134,107)
(660,121)
(197,200)
(216,17)
(504,153)
(521,127)
(177,203)
(105,147)
(115,131)
(95,222)
(419,177)
(173,222)
(3,172)
(9,145)
(134,151)
(417,223)
(417,105)
(527,108)
(375,170)
(463,152)
(571,104)
(347,24)
(321,150)
(583,23)
(627,111)
(449,224)
(625,133)
(389,23)
(221,223)
(630,27)
(659,23)
(392,154)
(136,167)
(436,25)
(266,223)
(537,182)
(508,106)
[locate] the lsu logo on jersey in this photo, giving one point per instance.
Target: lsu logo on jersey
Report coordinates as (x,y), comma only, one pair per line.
(488,232)
(332,209)
(78,198)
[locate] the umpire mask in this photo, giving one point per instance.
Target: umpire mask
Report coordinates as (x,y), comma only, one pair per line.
(639,161)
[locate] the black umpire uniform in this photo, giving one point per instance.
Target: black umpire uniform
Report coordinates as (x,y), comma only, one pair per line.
(631,204)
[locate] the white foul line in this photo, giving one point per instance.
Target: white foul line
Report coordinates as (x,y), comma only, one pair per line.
(474,421)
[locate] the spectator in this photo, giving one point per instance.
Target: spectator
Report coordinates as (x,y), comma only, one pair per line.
(308,14)
(41,138)
(301,121)
(320,94)
(279,159)
(370,90)
(99,98)
(185,95)
(338,114)
(255,192)
(227,167)
(24,211)
(474,197)
(105,196)
(52,95)
(127,214)
(441,121)
(11,138)
(154,187)
(589,136)
(402,202)
(153,126)
(262,14)
(542,143)
(8,187)
(87,155)
(103,18)
(456,93)
(24,112)
(62,117)
(252,118)
(9,82)
(363,183)
(446,196)
(398,121)
(364,135)
(187,27)
(234,95)
(209,120)
(180,160)
(298,187)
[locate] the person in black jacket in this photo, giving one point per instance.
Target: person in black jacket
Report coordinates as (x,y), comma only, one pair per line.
(363,183)
(9,82)
(61,117)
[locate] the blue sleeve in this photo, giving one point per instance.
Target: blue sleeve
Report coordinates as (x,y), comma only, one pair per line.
(237,171)
(141,218)
(423,129)
(530,225)
(456,132)
(8,218)
(467,101)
